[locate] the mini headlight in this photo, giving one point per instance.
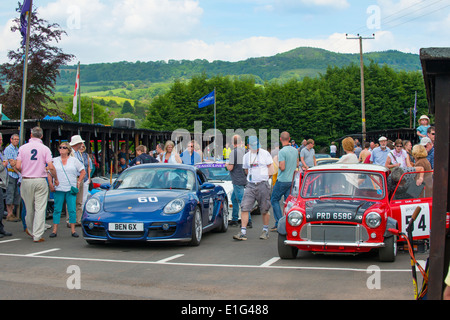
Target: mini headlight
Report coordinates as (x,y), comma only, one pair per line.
(93,205)
(174,206)
(373,219)
(295,218)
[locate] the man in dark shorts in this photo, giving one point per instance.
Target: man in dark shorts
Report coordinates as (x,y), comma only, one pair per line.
(258,165)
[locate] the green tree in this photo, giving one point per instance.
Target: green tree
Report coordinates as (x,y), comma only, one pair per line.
(45,61)
(323,108)
(127,107)
(100,113)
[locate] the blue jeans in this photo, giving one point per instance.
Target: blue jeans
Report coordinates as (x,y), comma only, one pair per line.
(59,197)
(236,198)
(279,189)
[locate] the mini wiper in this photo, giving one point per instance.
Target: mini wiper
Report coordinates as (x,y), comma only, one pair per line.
(335,195)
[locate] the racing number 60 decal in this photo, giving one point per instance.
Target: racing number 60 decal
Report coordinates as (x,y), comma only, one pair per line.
(147,199)
(422,223)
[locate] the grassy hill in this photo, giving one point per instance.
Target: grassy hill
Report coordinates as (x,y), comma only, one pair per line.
(297,63)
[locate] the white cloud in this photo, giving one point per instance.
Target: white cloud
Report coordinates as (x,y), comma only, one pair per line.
(157,18)
(149,30)
(8,40)
(131,18)
(252,47)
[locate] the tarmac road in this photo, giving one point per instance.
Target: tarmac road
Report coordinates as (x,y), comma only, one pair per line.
(219,269)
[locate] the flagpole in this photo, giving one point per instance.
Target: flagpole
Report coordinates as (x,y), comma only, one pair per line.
(25,74)
(79,96)
(415,109)
(215,126)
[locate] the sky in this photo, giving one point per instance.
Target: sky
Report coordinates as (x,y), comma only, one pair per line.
(231,30)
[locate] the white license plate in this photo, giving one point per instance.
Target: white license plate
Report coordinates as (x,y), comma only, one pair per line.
(126,227)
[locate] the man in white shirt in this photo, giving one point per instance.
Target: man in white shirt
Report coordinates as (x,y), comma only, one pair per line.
(258,165)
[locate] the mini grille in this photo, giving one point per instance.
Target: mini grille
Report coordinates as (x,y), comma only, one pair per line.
(334,233)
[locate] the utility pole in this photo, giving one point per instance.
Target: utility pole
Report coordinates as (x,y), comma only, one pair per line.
(363,101)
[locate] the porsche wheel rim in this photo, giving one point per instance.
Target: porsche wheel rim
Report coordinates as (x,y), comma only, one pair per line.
(198,225)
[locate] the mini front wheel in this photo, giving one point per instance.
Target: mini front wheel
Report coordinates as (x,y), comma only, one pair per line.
(286,251)
(389,251)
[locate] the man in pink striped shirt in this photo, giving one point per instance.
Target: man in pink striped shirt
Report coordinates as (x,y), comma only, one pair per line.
(33,161)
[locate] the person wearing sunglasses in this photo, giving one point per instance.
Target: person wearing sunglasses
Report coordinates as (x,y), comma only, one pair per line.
(398,157)
(431,133)
(429,147)
(71,173)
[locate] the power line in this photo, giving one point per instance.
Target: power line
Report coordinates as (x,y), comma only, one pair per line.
(421,16)
(390,20)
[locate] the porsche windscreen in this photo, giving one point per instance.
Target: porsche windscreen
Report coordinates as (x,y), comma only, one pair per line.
(156,178)
(343,184)
(215,171)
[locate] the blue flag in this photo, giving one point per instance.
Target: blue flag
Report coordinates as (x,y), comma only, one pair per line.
(206,100)
(25,11)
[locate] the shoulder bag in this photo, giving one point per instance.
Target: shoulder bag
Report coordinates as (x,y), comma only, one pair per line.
(73,190)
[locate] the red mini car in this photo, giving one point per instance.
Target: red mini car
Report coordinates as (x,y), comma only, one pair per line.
(346,208)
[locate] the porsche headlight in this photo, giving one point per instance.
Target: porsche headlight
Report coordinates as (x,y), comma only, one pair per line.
(174,206)
(295,218)
(93,205)
(373,219)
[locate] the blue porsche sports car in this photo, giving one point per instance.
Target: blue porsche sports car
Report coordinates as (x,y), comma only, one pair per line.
(156,202)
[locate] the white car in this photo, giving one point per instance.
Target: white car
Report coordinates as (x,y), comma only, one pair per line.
(217,173)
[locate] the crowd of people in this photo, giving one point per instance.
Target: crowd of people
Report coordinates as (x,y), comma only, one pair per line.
(30,172)
(400,156)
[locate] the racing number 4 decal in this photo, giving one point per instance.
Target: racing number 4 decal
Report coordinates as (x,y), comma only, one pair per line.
(421,224)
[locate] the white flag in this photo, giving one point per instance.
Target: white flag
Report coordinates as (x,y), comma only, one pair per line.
(75,94)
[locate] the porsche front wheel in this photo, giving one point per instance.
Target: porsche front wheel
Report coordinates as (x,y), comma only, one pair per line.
(197,228)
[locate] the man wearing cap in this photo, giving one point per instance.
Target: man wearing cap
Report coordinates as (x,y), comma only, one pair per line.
(380,154)
(76,143)
(33,161)
(429,146)
(258,165)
